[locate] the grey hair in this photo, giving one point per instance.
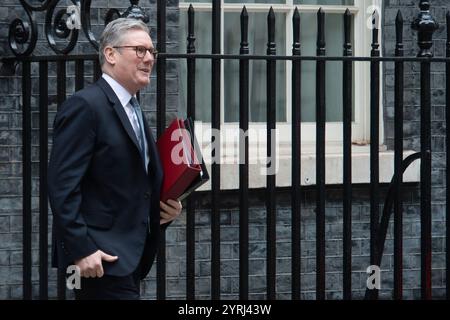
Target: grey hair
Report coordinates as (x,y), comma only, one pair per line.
(115,30)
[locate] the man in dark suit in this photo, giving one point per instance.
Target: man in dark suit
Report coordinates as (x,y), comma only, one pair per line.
(105,173)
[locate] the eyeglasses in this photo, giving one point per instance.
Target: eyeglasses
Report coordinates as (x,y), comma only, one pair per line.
(141,51)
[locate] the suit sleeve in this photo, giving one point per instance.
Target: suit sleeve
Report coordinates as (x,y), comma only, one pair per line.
(73,146)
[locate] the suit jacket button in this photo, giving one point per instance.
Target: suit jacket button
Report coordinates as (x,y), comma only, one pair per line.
(147,195)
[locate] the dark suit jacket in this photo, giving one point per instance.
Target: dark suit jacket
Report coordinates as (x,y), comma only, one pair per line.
(100,194)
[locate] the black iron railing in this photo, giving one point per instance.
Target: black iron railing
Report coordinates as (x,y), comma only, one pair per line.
(23,36)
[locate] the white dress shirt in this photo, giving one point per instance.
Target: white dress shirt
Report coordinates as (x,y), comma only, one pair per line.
(124,97)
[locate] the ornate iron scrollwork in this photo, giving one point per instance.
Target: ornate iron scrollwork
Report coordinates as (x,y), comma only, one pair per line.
(61,24)
(22,36)
(43,6)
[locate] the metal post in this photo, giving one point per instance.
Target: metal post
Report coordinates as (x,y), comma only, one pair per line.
(425,25)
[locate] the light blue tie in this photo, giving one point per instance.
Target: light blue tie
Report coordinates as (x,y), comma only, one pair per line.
(140,131)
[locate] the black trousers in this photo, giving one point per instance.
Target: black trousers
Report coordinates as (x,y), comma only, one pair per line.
(110,287)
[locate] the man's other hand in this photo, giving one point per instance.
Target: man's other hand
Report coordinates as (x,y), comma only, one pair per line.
(91,266)
(169,210)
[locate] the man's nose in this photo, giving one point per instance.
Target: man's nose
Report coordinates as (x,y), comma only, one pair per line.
(149,57)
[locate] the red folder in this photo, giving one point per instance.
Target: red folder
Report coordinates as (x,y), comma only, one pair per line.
(180,163)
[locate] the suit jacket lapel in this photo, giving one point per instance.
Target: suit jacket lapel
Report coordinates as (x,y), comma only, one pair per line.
(117,106)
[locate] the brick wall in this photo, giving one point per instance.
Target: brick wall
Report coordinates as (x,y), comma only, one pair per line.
(11,187)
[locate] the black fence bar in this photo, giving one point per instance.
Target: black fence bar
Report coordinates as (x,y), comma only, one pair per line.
(426,26)
(398,158)
(79,75)
(243,159)
(60,97)
(447,121)
(271,157)
(26,175)
(374,147)
(190,213)
(215,166)
(320,158)
(296,159)
(347,155)
(161,67)
(160,126)
(190,250)
(97,70)
(425,179)
(43,193)
(61,78)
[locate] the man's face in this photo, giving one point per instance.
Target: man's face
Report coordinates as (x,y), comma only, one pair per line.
(129,70)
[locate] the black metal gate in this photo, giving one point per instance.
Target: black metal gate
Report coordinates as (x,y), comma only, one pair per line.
(23,36)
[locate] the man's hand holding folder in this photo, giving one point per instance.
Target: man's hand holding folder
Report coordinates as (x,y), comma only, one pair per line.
(183,165)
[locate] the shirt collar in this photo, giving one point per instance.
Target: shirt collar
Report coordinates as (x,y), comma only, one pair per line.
(121,93)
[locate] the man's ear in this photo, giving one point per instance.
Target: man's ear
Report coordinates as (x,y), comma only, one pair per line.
(110,55)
